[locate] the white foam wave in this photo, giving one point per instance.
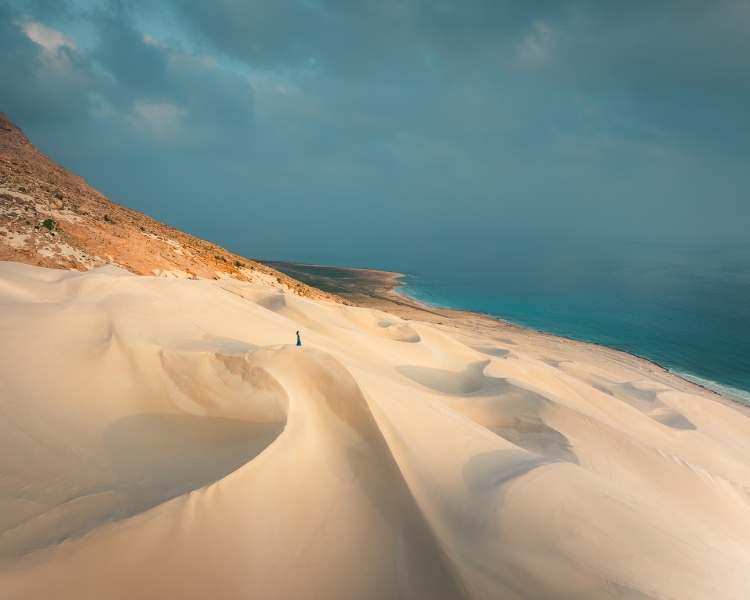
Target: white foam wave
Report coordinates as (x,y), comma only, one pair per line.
(725,390)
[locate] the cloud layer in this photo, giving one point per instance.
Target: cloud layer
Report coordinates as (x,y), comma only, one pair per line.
(328,126)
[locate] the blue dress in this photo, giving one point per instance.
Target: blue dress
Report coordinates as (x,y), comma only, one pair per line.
(299,341)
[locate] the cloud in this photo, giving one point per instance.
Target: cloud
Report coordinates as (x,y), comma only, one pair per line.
(160,119)
(50,40)
(147,39)
(367,116)
(538,45)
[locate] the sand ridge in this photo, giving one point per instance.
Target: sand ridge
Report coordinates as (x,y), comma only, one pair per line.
(164,438)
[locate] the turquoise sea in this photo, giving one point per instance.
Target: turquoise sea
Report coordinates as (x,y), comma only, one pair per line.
(686,308)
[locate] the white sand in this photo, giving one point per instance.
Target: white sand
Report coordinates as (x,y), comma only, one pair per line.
(163,438)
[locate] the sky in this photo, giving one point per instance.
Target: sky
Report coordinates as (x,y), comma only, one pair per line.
(340,131)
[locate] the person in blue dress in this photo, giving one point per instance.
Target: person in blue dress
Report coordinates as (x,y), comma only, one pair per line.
(299,341)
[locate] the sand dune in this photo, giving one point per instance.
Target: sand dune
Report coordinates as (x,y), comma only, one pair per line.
(164,438)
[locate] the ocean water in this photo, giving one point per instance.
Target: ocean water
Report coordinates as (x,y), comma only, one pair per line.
(686,308)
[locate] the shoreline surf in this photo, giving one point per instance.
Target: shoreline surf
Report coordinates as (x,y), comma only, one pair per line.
(731,393)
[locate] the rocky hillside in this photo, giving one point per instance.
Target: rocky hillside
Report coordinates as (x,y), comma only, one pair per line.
(51,218)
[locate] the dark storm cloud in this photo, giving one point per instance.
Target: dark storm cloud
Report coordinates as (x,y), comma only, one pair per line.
(138,68)
(641,39)
(673,68)
(331,119)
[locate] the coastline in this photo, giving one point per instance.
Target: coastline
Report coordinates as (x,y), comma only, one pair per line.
(379,290)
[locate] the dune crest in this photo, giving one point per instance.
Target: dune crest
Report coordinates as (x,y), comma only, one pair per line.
(165,438)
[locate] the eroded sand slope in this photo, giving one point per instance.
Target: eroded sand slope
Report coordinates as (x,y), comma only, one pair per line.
(162,438)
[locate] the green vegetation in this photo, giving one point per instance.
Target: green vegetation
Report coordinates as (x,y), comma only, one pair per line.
(48,223)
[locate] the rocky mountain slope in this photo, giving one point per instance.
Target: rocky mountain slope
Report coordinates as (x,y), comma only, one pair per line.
(51,218)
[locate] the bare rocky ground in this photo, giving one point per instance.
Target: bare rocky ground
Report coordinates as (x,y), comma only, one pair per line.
(52,218)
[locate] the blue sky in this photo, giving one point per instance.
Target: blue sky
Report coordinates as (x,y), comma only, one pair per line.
(328,130)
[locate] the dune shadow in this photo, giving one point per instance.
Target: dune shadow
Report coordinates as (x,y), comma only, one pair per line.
(153,458)
(493,351)
(469,381)
(554,363)
(535,436)
(647,401)
(399,332)
(673,419)
(158,457)
(217,343)
(631,391)
(499,467)
(273,302)
(643,399)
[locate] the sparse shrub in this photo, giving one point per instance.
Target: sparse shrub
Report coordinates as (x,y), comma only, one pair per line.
(237,263)
(48,223)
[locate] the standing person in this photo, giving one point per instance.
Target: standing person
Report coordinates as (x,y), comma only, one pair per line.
(299,341)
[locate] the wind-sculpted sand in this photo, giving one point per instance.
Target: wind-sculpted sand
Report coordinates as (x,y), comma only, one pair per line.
(164,438)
